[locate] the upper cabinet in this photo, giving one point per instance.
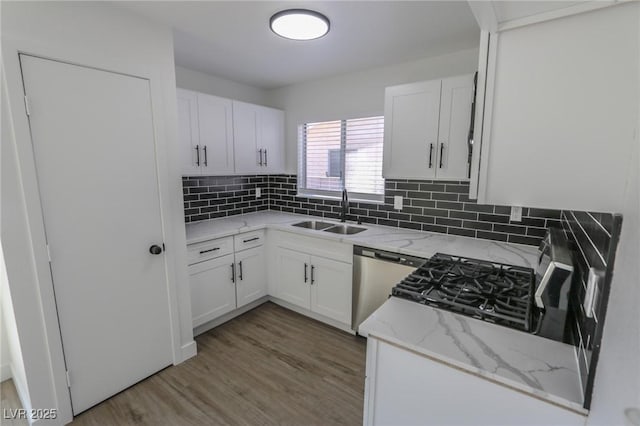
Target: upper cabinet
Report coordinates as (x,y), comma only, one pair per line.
(258,135)
(427,129)
(560,111)
(219,136)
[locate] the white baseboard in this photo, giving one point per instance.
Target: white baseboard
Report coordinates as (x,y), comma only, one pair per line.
(189,350)
(229,316)
(310,314)
(5,372)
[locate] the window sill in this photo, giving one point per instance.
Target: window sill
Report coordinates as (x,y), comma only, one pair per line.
(353,199)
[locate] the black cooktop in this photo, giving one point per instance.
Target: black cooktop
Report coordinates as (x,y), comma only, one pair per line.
(493,292)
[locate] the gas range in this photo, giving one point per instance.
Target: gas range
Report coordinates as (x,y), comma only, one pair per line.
(494,292)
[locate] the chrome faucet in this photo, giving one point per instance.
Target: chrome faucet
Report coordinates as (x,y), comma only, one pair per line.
(345,205)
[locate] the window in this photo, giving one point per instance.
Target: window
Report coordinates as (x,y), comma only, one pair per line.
(334,155)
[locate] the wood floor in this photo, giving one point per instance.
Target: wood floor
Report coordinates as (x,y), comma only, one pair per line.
(270,366)
(9,401)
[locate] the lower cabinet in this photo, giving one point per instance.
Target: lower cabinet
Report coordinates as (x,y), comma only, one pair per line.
(404,388)
(251,282)
(318,284)
(213,291)
(229,281)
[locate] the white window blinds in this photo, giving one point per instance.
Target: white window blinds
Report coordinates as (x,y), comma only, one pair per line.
(342,154)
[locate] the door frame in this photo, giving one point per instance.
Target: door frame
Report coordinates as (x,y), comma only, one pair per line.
(46,373)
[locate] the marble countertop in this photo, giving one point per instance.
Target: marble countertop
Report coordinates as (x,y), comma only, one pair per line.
(540,367)
(398,240)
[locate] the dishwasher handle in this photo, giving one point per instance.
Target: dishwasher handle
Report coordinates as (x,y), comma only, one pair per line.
(388,256)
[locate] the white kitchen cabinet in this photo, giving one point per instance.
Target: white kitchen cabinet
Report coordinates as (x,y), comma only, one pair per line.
(426,129)
(560,111)
(251,284)
(205,134)
(218,136)
(453,129)
(292,277)
(213,291)
(215,121)
(222,279)
(405,388)
(258,138)
(321,285)
(188,133)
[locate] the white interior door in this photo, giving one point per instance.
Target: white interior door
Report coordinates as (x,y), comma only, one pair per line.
(94,148)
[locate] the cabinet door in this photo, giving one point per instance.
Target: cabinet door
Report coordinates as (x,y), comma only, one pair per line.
(331,288)
(411,130)
(271,139)
(455,118)
(252,278)
(188,137)
(213,292)
(245,132)
(216,134)
(293,277)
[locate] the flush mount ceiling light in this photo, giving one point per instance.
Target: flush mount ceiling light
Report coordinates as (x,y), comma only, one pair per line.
(299,24)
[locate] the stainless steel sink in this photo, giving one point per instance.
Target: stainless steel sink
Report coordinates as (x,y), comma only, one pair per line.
(345,229)
(313,224)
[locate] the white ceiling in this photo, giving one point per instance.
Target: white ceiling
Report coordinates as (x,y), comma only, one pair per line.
(232,39)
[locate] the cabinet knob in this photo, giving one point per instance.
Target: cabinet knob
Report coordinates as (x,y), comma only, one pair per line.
(155,249)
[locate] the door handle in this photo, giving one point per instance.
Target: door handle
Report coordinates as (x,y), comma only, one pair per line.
(305,272)
(430,155)
(240,264)
(265,157)
(251,239)
(441,149)
(205,156)
(312,277)
(198,155)
(233,273)
(260,153)
(155,249)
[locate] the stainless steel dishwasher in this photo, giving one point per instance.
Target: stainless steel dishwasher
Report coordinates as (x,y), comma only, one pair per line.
(375,272)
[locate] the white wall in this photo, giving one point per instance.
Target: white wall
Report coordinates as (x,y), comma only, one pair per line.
(5,360)
(617,382)
(218,86)
(358,94)
(12,360)
(107,37)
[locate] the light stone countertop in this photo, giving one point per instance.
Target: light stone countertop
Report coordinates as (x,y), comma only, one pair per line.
(537,366)
(397,240)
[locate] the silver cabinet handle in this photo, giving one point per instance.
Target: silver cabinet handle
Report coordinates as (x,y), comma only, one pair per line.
(205,155)
(441,149)
(265,157)
(260,152)
(198,155)
(430,155)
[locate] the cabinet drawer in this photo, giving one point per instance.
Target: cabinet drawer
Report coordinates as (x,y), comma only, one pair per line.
(209,250)
(249,240)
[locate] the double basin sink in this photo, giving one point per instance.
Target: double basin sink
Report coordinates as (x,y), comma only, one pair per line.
(329,227)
